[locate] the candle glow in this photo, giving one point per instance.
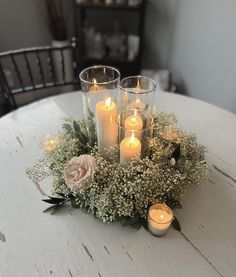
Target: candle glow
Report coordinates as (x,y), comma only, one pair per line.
(160,217)
(49,142)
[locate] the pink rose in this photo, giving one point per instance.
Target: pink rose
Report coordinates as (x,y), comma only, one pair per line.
(78,172)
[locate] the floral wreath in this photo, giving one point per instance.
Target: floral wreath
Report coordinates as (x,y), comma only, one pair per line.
(121,192)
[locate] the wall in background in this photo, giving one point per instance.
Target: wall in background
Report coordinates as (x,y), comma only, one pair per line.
(22,25)
(197,41)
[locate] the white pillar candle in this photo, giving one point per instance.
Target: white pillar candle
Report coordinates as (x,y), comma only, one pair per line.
(130,147)
(107,130)
(133,123)
(160,217)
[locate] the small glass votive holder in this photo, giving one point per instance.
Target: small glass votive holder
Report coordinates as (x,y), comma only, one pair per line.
(135,128)
(160,217)
(99,85)
(137,92)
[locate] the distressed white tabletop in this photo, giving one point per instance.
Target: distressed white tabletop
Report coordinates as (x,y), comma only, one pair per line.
(71,243)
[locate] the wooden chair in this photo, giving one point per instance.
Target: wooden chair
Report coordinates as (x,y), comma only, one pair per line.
(39,68)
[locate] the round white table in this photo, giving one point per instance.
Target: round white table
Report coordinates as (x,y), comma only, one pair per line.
(71,243)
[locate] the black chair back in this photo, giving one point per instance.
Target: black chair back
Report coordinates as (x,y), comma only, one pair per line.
(37,68)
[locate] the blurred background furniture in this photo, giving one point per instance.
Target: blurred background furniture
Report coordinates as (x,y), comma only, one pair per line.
(111,32)
(40,68)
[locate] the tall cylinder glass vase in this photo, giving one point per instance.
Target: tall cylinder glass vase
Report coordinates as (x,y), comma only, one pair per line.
(99,85)
(137,92)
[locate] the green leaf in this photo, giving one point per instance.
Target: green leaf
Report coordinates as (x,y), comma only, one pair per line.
(62,195)
(176,224)
(73,203)
(67,127)
(79,134)
(57,207)
(53,201)
(176,153)
(174,204)
(144,223)
(137,225)
(127,220)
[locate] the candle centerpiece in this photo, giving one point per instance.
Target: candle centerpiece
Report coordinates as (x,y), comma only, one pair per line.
(157,161)
(160,217)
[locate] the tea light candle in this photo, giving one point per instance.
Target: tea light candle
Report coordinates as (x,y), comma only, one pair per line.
(133,123)
(49,142)
(160,217)
(107,130)
(130,147)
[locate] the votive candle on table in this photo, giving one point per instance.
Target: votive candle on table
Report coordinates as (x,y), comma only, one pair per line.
(133,123)
(130,147)
(107,130)
(160,217)
(49,142)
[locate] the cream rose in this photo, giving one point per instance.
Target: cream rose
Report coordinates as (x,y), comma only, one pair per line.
(169,134)
(78,171)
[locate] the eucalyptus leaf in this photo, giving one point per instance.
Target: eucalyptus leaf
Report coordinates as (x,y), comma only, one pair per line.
(67,127)
(176,224)
(176,153)
(53,201)
(79,134)
(126,220)
(144,223)
(137,225)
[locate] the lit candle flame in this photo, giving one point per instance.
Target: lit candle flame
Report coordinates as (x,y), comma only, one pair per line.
(133,120)
(135,112)
(161,216)
(94,81)
(108,102)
